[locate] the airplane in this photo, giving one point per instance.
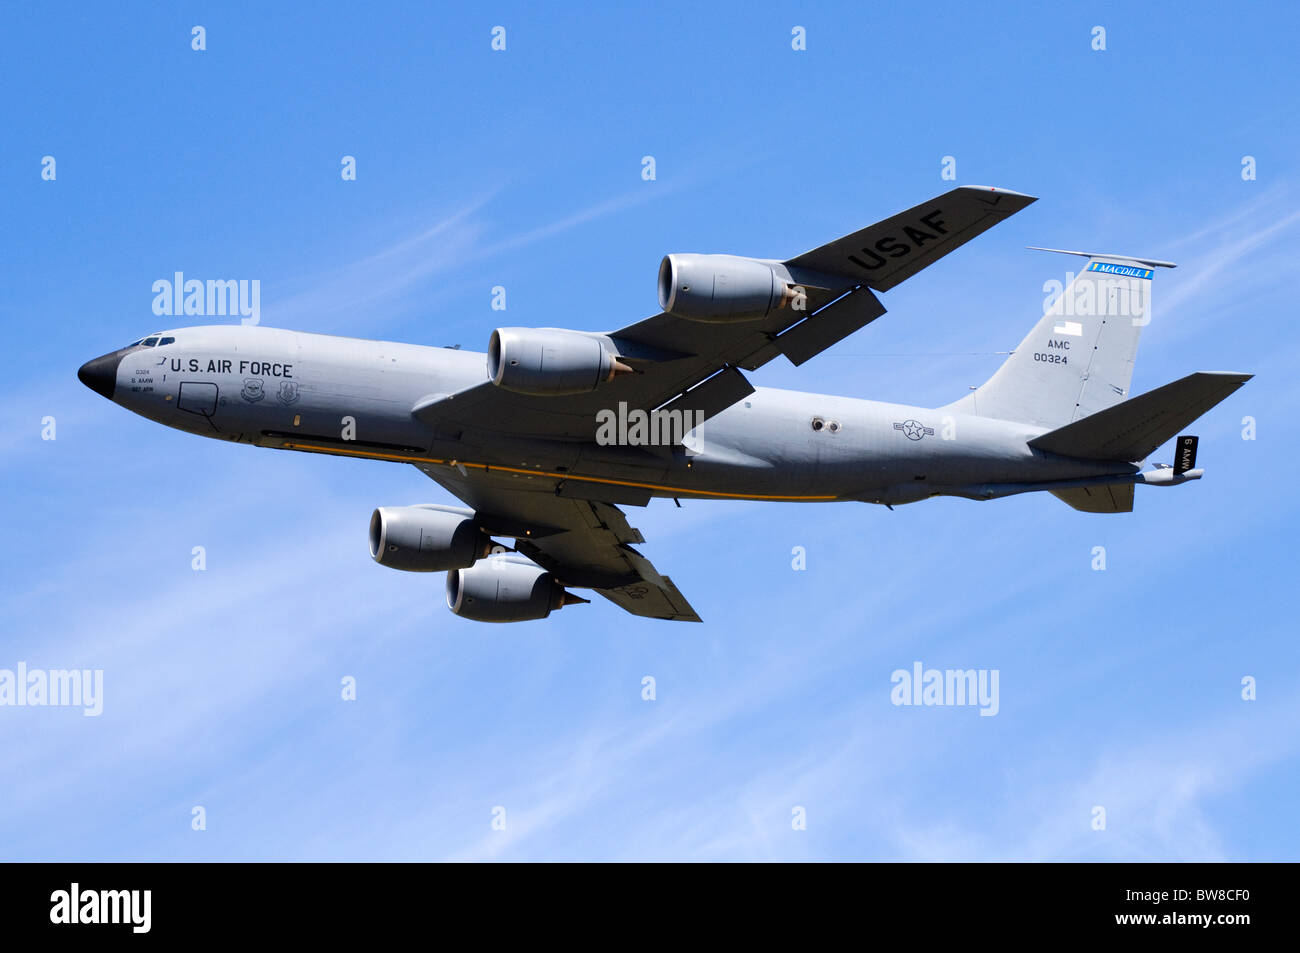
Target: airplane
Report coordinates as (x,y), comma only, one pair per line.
(551,431)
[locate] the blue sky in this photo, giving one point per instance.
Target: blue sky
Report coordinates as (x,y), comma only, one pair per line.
(521,168)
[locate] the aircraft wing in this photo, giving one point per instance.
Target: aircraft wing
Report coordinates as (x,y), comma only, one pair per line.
(881,256)
(583,543)
(680,364)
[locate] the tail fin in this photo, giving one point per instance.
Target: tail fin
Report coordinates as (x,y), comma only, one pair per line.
(1130,431)
(1079,358)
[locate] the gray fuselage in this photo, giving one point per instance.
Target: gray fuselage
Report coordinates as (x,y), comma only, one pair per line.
(320,393)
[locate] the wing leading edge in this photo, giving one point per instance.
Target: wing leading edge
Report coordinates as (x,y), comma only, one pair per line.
(673,355)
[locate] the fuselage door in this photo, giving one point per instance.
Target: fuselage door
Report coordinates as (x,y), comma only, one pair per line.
(198,397)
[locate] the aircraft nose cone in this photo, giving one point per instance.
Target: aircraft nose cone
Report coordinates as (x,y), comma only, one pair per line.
(100,375)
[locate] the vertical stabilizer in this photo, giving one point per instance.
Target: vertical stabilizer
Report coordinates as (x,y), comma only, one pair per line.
(1079,357)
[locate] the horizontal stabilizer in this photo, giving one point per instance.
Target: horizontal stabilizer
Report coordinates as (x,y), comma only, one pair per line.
(1115,498)
(1149,262)
(1131,430)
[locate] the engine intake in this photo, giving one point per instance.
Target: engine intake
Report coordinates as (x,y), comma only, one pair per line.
(549,362)
(721,288)
(425,539)
(505,589)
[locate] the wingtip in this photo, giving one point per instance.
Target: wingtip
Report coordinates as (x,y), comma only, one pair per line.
(1236,375)
(1001,191)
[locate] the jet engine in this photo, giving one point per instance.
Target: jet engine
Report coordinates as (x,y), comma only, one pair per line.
(425,538)
(721,288)
(549,362)
(505,589)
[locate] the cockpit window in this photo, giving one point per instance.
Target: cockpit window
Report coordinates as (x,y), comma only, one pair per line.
(154,340)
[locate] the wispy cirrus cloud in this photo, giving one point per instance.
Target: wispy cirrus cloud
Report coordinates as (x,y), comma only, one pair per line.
(385,274)
(455,241)
(1242,244)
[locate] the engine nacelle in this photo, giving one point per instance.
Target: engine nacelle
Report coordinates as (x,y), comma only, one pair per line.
(549,362)
(505,589)
(721,288)
(424,539)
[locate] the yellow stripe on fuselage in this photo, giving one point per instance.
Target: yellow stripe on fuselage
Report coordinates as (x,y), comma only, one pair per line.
(672,490)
